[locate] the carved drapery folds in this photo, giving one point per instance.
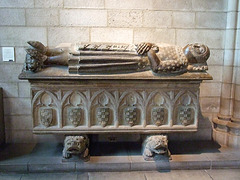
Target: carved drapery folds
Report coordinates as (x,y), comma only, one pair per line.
(79,108)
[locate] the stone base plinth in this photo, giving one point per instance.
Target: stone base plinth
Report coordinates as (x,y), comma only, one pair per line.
(226,139)
(188,155)
(226,131)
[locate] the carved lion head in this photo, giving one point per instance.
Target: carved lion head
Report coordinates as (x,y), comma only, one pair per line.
(76,144)
(158,144)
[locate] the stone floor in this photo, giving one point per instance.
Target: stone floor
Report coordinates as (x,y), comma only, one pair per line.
(205,156)
(217,174)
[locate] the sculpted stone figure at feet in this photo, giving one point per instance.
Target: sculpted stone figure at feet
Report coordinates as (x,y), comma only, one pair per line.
(76,145)
(162,59)
(156,145)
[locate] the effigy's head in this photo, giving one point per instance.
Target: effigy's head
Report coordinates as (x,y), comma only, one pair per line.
(196,53)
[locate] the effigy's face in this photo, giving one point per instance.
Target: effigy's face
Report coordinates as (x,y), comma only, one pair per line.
(199,48)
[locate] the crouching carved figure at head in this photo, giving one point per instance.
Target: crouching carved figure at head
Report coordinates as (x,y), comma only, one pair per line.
(77,145)
(155,145)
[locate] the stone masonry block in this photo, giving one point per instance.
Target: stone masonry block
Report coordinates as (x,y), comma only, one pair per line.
(48,138)
(210,89)
(24,89)
(211,20)
(9,72)
(172,5)
(79,17)
(19,136)
(226,90)
(216,57)
(23,122)
(20,54)
(212,38)
(112,35)
(228,57)
(13,17)
(230,39)
(210,104)
(67,35)
(126,4)
(17,106)
(18,36)
(238,19)
(42,17)
(227,78)
(216,72)
(154,35)
(48,4)
(125,18)
(9,89)
(83,4)
(237,75)
(183,19)
(231,20)
(17,3)
(237,94)
(206,5)
(238,37)
(157,19)
(233,5)
(225,105)
(237,56)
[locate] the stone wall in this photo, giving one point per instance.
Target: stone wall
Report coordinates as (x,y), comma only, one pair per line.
(126,21)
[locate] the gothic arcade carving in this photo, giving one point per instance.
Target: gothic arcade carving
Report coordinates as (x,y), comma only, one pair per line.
(67,109)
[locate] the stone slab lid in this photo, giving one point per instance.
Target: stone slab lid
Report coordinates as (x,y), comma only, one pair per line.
(61,73)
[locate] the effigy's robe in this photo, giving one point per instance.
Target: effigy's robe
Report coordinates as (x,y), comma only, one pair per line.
(106,58)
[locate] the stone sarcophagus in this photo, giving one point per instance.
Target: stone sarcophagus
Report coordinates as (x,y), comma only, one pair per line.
(114,105)
(115,95)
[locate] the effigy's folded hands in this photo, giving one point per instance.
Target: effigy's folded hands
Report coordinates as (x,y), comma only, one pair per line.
(143,48)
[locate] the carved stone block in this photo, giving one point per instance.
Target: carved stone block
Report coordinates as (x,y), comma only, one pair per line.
(185,116)
(74,115)
(46,116)
(103,116)
(159,116)
(131,115)
(76,145)
(155,145)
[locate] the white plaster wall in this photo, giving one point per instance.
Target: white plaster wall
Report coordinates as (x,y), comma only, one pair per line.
(127,21)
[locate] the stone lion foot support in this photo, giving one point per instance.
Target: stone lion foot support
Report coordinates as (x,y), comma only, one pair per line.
(76,145)
(155,145)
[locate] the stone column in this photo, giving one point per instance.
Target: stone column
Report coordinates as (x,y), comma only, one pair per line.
(227,125)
